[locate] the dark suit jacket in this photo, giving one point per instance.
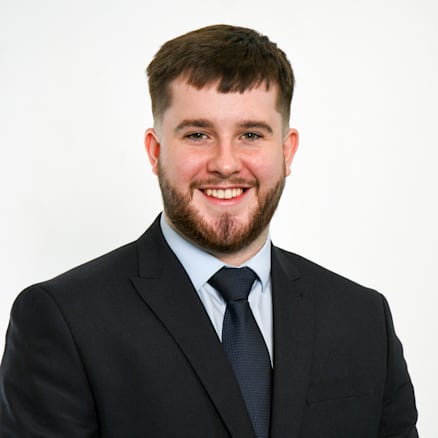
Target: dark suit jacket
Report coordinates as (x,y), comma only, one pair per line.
(122,347)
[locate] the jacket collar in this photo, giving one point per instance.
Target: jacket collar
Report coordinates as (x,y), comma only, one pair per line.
(165,287)
(293,343)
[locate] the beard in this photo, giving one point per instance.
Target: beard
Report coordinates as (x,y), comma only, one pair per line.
(226,234)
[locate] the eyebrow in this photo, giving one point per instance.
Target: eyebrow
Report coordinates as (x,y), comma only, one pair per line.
(193,123)
(204,123)
(255,124)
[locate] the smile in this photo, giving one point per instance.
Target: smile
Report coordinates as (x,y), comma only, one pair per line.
(224,193)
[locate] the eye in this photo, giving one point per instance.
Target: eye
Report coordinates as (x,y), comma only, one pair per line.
(251,136)
(196,136)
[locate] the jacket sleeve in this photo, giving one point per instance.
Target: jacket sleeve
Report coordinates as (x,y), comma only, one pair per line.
(44,391)
(399,413)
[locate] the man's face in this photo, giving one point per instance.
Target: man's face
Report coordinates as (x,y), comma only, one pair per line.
(221,159)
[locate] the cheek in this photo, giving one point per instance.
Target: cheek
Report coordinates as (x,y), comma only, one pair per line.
(185,167)
(268,168)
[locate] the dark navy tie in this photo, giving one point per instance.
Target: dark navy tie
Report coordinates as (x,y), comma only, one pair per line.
(245,346)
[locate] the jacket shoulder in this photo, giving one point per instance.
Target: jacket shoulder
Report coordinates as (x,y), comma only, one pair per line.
(319,278)
(121,261)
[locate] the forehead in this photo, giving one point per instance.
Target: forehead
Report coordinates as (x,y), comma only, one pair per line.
(187,101)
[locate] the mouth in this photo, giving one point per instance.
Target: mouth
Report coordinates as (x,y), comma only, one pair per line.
(229,193)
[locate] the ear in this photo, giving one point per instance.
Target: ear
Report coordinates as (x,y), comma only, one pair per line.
(290,146)
(152,144)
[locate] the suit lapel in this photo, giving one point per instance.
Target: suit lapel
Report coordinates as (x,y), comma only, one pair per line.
(293,334)
(165,287)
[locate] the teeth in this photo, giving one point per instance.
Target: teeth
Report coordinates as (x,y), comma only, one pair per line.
(224,194)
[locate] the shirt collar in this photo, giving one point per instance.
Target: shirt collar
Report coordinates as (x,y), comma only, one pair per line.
(200,265)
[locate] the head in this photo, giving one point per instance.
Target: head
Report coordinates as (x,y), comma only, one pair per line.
(236,59)
(221,143)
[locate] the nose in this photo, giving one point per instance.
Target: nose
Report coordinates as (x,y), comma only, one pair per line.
(225,160)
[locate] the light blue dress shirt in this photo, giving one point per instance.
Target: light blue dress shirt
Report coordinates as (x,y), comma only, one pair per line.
(200,266)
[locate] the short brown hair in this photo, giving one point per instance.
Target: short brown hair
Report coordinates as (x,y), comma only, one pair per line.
(238,58)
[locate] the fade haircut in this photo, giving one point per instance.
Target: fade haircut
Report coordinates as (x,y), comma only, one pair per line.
(237,58)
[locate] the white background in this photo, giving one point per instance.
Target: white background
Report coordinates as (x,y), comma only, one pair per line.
(362,200)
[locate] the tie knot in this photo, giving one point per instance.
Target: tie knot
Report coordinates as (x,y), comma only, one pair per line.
(233,283)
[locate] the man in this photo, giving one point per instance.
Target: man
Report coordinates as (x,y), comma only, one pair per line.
(157,338)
